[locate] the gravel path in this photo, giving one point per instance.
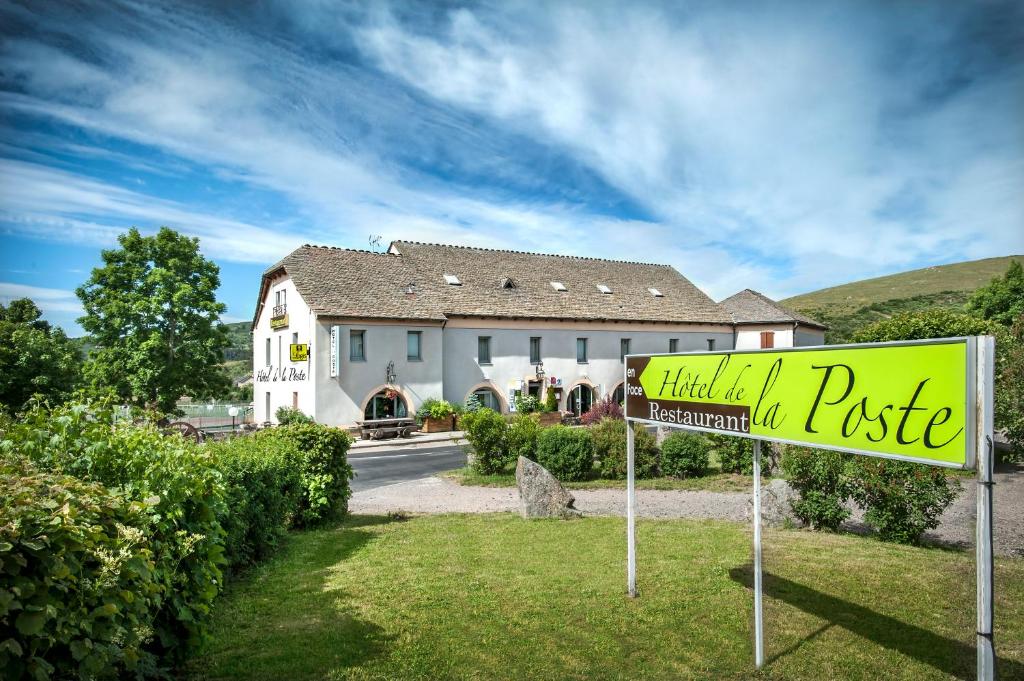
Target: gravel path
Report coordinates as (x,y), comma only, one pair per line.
(438,495)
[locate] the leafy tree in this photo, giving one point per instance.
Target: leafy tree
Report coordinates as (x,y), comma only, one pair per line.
(923,325)
(1002,300)
(1009,398)
(35,358)
(153,313)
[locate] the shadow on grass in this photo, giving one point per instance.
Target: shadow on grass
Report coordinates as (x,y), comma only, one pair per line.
(944,654)
(287,619)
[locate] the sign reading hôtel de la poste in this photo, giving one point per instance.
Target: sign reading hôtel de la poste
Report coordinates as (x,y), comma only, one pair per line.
(911,401)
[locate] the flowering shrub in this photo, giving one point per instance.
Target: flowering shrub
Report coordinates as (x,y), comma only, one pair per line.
(606,408)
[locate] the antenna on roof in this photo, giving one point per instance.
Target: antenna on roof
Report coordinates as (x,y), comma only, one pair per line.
(375,242)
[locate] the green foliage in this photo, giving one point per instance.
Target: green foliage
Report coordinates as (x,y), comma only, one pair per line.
(523,431)
(1009,398)
(550,401)
(925,324)
(472,404)
(609,438)
(262,488)
(435,409)
(901,500)
(526,404)
(176,479)
(735,454)
(685,455)
(1002,300)
(820,478)
(487,434)
(567,453)
(78,585)
(843,324)
(35,358)
(323,468)
(153,314)
(289,415)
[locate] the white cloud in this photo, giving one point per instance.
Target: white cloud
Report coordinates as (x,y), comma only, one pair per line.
(49,300)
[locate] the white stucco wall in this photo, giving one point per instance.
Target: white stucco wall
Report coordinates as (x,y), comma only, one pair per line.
(748,337)
(510,353)
(281,377)
(340,400)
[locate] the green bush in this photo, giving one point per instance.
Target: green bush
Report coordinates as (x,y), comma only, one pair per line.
(472,404)
(435,409)
(262,485)
(322,465)
(901,500)
(609,438)
(550,401)
(685,455)
(487,433)
(78,585)
(526,404)
(176,479)
(567,453)
(820,478)
(523,431)
(288,415)
(735,454)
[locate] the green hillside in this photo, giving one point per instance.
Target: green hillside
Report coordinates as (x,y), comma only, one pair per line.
(850,307)
(240,337)
(960,277)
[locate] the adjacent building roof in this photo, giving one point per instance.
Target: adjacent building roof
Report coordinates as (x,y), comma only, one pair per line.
(409,282)
(751,307)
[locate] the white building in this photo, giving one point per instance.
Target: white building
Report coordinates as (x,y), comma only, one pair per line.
(760,322)
(385,331)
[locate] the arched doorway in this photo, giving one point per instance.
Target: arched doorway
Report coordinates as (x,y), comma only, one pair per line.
(488,396)
(619,394)
(386,404)
(580,399)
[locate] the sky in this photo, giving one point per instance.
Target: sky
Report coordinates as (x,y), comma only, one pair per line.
(780,146)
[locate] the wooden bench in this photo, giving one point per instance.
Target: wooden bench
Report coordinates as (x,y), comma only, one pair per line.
(378,429)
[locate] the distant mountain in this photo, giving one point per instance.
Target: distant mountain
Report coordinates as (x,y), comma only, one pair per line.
(852,306)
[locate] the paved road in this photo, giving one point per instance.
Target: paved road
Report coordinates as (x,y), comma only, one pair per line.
(379,466)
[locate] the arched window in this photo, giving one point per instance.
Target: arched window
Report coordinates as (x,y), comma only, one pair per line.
(387,404)
(488,399)
(620,394)
(580,399)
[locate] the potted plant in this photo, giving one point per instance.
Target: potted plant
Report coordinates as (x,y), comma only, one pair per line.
(435,415)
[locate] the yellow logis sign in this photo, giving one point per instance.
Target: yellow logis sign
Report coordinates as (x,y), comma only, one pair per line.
(299,352)
(910,401)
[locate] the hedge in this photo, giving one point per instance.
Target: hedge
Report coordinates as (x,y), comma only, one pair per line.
(262,486)
(322,463)
(567,453)
(609,438)
(180,487)
(685,455)
(78,585)
(487,434)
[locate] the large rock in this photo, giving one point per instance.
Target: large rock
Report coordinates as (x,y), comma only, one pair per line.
(540,494)
(776,510)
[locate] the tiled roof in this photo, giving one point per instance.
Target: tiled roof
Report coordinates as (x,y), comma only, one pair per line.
(349,283)
(750,307)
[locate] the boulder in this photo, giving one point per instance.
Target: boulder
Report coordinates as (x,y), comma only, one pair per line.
(776,510)
(540,493)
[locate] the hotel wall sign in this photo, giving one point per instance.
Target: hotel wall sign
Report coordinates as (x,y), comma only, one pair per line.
(272,374)
(298,352)
(279,322)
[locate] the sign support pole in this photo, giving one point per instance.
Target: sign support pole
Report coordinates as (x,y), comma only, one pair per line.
(630,513)
(983,522)
(758,618)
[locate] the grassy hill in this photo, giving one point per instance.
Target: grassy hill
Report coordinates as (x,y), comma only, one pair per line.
(852,306)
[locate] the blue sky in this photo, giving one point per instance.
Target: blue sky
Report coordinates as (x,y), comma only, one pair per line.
(774,145)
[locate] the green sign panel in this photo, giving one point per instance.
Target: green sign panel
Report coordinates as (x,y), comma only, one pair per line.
(912,401)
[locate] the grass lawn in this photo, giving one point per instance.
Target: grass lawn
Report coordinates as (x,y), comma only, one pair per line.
(498,597)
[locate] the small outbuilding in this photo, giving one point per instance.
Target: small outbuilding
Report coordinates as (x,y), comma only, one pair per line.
(760,322)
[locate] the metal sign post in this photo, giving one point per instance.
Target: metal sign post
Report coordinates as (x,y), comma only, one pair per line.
(630,512)
(983,521)
(758,618)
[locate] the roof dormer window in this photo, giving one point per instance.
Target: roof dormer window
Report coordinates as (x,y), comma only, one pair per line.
(603,288)
(558,286)
(508,283)
(452,280)
(655,292)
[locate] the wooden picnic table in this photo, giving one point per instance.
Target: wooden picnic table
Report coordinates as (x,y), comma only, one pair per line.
(378,429)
